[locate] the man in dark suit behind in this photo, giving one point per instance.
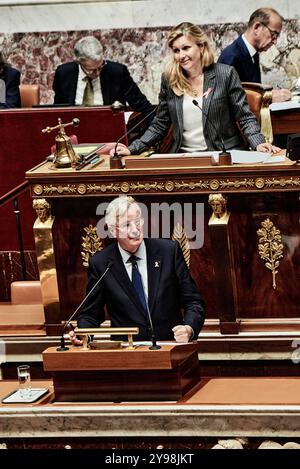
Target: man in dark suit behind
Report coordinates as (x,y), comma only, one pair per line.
(171,300)
(110,81)
(262,32)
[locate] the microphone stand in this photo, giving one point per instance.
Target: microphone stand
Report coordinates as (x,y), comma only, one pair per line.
(115,160)
(224,155)
(154,345)
(63,347)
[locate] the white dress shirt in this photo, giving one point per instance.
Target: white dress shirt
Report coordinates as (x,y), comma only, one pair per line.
(81,83)
(141,254)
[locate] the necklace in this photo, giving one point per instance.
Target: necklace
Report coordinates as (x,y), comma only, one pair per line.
(197,87)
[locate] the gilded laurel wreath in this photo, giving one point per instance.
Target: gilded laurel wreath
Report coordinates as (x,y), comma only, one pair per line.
(91,243)
(270,247)
(180,236)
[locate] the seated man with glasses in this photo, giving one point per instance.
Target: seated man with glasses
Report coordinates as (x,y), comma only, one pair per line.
(91,80)
(147,283)
(262,32)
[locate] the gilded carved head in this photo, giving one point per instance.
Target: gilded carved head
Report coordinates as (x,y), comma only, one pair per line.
(218,204)
(42,208)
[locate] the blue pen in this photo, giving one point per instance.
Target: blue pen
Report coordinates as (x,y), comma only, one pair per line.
(95,161)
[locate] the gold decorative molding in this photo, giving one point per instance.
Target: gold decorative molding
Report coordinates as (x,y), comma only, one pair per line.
(265,116)
(42,230)
(270,247)
(230,184)
(180,236)
(282,182)
(91,243)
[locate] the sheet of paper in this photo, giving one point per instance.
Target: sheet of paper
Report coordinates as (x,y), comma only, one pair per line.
(253,157)
(284,106)
(238,156)
(127,114)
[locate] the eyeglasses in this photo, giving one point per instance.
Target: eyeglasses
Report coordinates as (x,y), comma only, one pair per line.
(274,34)
(138,222)
(92,70)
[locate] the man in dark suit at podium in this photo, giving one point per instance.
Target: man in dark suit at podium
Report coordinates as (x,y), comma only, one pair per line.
(91,80)
(147,283)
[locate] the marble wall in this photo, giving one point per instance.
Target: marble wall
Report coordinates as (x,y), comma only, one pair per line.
(37,36)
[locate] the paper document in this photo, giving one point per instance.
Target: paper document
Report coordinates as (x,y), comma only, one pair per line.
(253,157)
(284,106)
(127,114)
(238,156)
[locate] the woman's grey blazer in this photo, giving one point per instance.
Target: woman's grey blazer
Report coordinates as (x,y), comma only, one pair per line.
(224,103)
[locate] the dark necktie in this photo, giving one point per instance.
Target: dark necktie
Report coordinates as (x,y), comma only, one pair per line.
(257,67)
(88,94)
(137,283)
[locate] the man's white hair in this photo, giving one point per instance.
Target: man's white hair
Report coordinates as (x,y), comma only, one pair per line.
(88,48)
(118,208)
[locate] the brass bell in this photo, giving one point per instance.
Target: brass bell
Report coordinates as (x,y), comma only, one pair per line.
(64,155)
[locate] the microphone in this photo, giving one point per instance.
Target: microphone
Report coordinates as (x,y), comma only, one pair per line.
(154,345)
(63,347)
(224,155)
(115,156)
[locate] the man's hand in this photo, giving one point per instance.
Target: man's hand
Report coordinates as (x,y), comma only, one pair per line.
(182,333)
(121,150)
(279,96)
(268,148)
(74,339)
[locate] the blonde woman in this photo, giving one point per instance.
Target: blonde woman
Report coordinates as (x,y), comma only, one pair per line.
(191,75)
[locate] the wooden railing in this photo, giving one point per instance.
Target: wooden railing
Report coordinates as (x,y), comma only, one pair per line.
(12,196)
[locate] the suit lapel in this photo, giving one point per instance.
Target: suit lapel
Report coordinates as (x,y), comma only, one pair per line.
(72,85)
(208,88)
(179,111)
(154,266)
(105,85)
(248,64)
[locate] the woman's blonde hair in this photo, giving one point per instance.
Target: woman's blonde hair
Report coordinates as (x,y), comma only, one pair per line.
(173,71)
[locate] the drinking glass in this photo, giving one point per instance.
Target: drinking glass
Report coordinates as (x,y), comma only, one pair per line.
(24,381)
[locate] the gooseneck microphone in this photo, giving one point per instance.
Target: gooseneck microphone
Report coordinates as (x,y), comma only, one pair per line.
(115,156)
(224,155)
(63,347)
(154,345)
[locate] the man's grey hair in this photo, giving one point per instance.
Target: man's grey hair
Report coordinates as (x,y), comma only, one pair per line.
(88,48)
(118,208)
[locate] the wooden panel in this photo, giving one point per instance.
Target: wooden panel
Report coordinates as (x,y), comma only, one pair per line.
(140,358)
(123,375)
(285,122)
(158,161)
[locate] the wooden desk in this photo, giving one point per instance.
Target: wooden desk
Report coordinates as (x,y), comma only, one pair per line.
(285,122)
(255,194)
(122,374)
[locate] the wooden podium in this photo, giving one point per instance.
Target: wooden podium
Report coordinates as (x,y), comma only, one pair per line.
(122,374)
